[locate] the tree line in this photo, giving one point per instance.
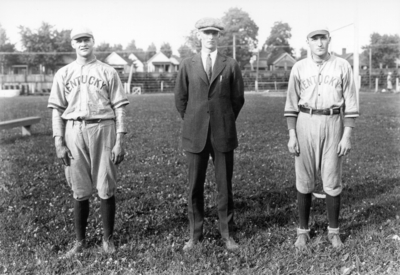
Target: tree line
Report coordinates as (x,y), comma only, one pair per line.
(238,25)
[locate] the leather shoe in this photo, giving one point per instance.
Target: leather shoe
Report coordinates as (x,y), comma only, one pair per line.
(230,244)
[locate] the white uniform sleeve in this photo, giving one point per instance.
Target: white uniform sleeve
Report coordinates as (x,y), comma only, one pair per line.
(349,93)
(117,94)
(57,99)
(293,94)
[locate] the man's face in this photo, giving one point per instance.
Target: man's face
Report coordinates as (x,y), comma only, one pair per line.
(209,39)
(83,46)
(319,44)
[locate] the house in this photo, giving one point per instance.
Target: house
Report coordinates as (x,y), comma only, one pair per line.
(117,62)
(161,63)
(137,62)
(272,62)
(364,64)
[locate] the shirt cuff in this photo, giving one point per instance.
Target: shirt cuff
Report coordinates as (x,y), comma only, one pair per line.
(349,122)
(291,122)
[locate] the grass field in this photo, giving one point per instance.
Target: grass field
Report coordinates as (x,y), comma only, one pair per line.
(36,219)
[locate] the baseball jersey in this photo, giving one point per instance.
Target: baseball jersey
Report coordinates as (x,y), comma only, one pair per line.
(90,91)
(322,86)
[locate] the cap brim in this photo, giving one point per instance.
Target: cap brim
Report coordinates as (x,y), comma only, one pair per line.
(320,32)
(82,35)
(210,28)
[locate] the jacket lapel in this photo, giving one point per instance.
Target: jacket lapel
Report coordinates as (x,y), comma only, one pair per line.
(199,69)
(219,65)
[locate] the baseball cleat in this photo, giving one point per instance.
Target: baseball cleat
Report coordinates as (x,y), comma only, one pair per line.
(189,245)
(303,236)
(108,246)
(230,244)
(76,248)
(334,238)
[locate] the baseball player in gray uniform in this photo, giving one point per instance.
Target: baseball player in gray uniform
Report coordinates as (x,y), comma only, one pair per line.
(321,108)
(88,103)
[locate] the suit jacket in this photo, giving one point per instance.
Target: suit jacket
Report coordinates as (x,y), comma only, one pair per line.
(215,104)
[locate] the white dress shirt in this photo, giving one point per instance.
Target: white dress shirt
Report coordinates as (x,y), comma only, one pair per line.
(213,56)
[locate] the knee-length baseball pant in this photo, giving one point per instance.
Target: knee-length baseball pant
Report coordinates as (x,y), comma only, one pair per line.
(91,167)
(319,137)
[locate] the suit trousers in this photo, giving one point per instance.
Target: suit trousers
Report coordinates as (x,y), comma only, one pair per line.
(223,163)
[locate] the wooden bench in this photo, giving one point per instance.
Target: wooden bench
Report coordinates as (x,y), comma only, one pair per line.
(25,123)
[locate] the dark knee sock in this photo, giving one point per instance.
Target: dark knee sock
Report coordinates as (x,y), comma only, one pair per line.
(81,213)
(304,205)
(108,215)
(333,209)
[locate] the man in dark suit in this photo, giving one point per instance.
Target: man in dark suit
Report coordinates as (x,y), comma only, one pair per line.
(209,95)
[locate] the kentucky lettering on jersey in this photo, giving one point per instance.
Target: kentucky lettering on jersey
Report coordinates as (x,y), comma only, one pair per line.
(324,86)
(98,83)
(318,79)
(90,91)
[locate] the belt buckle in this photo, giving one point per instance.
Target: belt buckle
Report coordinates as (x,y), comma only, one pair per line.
(331,110)
(310,111)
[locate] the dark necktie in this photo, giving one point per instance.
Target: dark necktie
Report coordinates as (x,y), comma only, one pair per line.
(209,67)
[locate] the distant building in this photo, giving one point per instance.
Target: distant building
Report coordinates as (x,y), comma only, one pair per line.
(272,62)
(161,63)
(364,64)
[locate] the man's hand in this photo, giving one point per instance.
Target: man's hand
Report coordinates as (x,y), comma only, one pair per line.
(62,151)
(118,152)
(293,144)
(344,146)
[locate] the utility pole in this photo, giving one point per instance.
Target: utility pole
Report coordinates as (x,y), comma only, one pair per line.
(258,63)
(356,57)
(234,46)
(370,67)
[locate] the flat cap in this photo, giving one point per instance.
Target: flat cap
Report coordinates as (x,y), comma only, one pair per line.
(79,32)
(318,30)
(209,23)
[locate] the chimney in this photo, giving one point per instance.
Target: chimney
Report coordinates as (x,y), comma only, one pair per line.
(343,51)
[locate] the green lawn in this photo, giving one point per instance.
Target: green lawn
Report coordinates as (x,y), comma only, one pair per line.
(36,219)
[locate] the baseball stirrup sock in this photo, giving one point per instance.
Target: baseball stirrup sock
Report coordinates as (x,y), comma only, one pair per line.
(108,216)
(333,209)
(304,205)
(81,213)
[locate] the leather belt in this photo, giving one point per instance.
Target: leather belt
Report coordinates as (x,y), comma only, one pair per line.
(91,121)
(325,112)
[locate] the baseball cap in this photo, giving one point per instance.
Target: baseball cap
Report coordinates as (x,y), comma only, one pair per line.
(318,30)
(209,23)
(79,32)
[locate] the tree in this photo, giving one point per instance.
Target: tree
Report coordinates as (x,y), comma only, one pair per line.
(193,42)
(238,22)
(151,50)
(185,51)
(107,48)
(131,47)
(46,40)
(6,46)
(303,53)
(278,40)
(166,49)
(385,49)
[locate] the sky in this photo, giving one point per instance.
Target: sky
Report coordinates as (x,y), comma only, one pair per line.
(159,21)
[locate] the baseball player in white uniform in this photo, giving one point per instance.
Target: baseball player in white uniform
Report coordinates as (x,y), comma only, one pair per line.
(321,108)
(88,103)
